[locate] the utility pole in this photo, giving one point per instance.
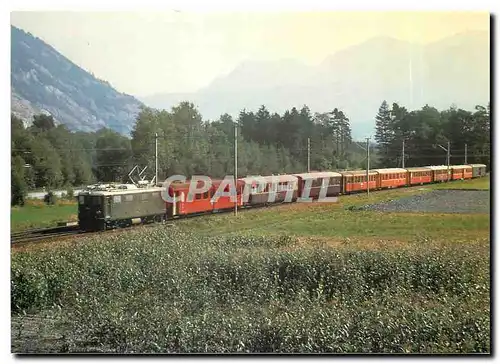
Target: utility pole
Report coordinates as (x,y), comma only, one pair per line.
(448,159)
(447,150)
(156,159)
(368,165)
(308,155)
(403,153)
(236,167)
(465,153)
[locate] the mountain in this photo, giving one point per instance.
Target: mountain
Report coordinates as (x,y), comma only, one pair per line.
(43,80)
(454,70)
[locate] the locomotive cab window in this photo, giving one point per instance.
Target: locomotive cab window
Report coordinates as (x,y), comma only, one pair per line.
(129,198)
(81,200)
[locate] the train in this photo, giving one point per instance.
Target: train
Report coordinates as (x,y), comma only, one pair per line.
(108,206)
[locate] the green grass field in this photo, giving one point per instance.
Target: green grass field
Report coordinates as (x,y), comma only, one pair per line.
(477,183)
(41,215)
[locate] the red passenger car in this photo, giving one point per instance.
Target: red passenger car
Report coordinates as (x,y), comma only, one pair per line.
(353,181)
(332,181)
(260,188)
(419,175)
(440,173)
(201,202)
(391,177)
(226,202)
(461,172)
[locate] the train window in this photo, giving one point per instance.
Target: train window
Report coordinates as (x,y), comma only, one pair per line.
(96,200)
(81,200)
(144,197)
(117,199)
(129,198)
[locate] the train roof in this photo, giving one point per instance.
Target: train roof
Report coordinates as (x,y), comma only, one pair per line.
(270,179)
(111,191)
(312,175)
(460,166)
(390,170)
(437,168)
(419,169)
(478,165)
(358,172)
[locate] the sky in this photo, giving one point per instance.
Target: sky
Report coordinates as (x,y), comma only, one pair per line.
(144,53)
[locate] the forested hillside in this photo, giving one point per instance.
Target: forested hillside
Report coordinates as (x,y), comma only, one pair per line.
(50,156)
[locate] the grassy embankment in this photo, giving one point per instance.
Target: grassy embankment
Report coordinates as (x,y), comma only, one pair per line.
(37,214)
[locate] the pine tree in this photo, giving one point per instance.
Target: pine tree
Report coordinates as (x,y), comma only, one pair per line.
(17,183)
(383,130)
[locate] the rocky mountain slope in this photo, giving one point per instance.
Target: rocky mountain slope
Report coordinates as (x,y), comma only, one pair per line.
(43,80)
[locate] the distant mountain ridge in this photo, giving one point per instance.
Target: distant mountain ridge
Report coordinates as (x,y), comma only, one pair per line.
(43,80)
(454,70)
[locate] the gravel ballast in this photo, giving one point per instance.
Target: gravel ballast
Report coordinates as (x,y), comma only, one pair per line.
(446,201)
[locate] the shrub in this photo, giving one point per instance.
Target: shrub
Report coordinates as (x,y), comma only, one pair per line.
(50,198)
(70,193)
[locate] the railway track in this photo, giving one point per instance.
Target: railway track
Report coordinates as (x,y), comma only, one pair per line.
(35,235)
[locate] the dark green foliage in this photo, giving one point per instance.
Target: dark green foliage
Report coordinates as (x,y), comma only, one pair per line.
(52,155)
(423,130)
(17,182)
(50,198)
(173,292)
(43,122)
(113,157)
